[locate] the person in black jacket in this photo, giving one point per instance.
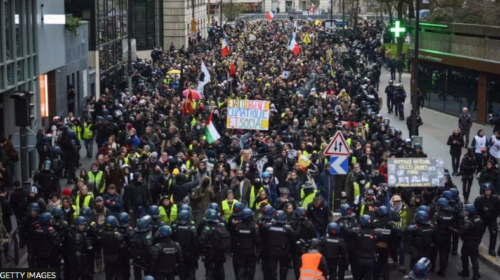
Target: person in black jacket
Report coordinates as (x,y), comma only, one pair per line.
(318,212)
(137,197)
(456,142)
(468,167)
(16,200)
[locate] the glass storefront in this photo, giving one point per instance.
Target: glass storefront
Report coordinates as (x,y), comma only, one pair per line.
(493,95)
(144,28)
(448,89)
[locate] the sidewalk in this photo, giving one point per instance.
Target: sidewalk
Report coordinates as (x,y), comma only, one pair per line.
(437,128)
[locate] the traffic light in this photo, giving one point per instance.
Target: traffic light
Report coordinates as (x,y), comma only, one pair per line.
(24,107)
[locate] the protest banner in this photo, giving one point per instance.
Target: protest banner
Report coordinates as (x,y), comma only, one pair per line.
(415,172)
(248,114)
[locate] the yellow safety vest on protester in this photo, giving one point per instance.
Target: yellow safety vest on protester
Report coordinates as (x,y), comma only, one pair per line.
(163,214)
(228,210)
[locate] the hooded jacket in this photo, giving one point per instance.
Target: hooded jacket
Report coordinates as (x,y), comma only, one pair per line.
(137,195)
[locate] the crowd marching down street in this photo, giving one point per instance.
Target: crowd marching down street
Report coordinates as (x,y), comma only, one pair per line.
(217,154)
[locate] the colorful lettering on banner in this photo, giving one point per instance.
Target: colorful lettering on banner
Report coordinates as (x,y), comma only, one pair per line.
(248,114)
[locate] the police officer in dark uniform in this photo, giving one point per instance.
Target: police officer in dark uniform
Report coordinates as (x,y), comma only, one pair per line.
(305,232)
(347,222)
(33,197)
(471,231)
(390,91)
(47,180)
(128,236)
(365,239)
(400,97)
(231,224)
(444,219)
(215,241)
(263,224)
(184,233)
(457,211)
(26,233)
(334,249)
(77,250)
(154,213)
(279,237)
(419,271)
(62,228)
(214,206)
(488,208)
(93,235)
(46,247)
(166,259)
(388,232)
(246,236)
(112,245)
(142,244)
(423,238)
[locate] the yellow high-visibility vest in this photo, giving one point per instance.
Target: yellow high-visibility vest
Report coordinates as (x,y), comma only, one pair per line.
(79,132)
(86,201)
(76,211)
(307,199)
(87,131)
(252,196)
(97,180)
(228,210)
(163,214)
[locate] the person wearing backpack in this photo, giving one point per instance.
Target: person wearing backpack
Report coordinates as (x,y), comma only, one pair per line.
(279,237)
(214,240)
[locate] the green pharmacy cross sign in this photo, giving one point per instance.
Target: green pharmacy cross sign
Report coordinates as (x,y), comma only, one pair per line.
(397,29)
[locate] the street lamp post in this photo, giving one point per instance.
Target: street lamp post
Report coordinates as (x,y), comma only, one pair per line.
(414,74)
(343,19)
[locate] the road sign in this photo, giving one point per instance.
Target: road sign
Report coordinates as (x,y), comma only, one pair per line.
(340,23)
(338,146)
(338,165)
(397,29)
(193,25)
(31,139)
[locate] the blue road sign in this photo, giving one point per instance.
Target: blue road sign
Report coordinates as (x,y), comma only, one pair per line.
(338,165)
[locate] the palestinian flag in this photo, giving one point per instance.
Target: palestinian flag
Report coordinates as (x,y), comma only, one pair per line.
(210,131)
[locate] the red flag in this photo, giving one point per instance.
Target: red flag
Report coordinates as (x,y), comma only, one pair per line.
(232,70)
(188,105)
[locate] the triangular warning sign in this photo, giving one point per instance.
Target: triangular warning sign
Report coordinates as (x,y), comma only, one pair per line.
(338,146)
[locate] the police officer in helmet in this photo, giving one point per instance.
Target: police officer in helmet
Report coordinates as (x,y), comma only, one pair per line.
(184,233)
(279,238)
(166,259)
(46,243)
(314,265)
(488,208)
(334,249)
(471,231)
(215,241)
(246,236)
(112,245)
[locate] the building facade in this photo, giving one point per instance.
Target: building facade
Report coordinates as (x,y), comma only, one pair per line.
(459,67)
(18,59)
(63,67)
(108,33)
(177,17)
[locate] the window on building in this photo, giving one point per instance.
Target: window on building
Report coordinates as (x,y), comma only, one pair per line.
(20,71)
(10,74)
(2,86)
(143,26)
(19,28)
(8,28)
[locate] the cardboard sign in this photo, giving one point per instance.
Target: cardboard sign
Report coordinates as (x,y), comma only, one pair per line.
(248,114)
(415,172)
